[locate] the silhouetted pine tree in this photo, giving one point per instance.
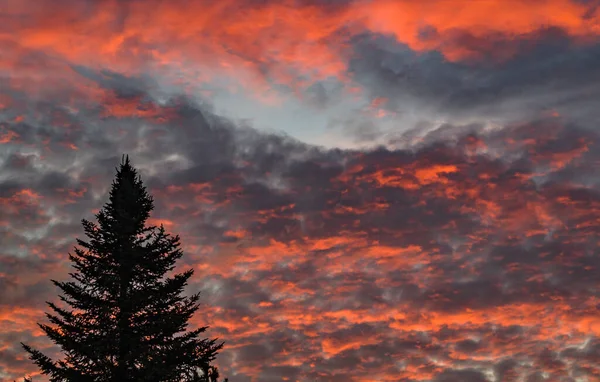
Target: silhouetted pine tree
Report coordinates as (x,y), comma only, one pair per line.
(128,319)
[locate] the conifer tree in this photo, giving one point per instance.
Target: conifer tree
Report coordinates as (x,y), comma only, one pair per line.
(127,319)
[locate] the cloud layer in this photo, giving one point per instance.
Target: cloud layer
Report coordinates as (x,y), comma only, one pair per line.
(464,249)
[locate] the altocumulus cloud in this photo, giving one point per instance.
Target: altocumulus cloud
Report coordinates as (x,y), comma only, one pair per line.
(460,250)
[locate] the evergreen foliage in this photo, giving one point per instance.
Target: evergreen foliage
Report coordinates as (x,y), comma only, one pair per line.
(127,318)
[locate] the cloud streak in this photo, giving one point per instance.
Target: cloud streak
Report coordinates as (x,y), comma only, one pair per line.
(288,42)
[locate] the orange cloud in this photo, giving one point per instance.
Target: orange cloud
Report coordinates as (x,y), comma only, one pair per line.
(436,24)
(253,44)
(468,246)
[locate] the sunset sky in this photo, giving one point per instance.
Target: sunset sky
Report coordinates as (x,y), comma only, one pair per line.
(368,190)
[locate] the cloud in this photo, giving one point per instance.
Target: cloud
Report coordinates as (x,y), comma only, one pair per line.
(288,43)
(551,76)
(462,249)
(463,30)
(463,256)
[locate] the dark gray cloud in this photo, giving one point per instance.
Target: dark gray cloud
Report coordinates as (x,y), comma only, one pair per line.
(549,72)
(461,251)
(320,264)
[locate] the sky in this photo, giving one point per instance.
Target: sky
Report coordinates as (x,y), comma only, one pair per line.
(385,190)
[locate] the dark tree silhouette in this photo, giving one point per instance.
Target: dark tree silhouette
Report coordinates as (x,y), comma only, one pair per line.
(128,319)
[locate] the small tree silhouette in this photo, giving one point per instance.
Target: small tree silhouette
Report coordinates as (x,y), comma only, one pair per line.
(128,319)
